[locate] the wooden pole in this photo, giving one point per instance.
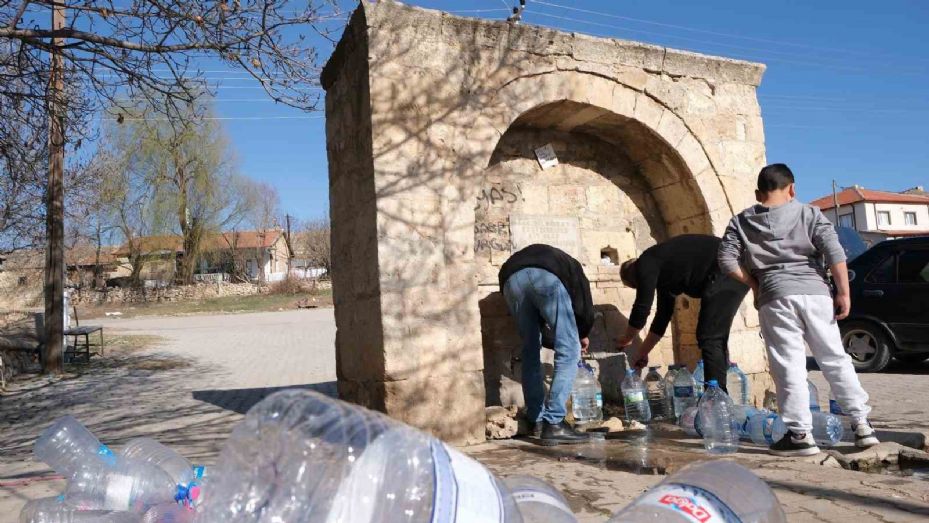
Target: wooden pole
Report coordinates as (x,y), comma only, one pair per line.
(54,208)
(835,202)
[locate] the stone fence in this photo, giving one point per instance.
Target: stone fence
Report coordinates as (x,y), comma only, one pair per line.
(198,291)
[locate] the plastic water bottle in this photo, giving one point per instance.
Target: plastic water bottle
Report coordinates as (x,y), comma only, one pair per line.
(586,396)
(834,407)
(708,491)
(67,446)
(301,456)
(635,398)
(715,412)
(688,423)
(669,391)
(737,385)
(169,513)
(685,391)
(128,485)
(538,501)
(741,419)
(814,397)
(655,388)
(699,378)
(54,510)
(767,428)
(150,451)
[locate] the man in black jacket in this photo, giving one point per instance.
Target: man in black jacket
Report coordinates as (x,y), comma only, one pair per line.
(544,285)
(684,265)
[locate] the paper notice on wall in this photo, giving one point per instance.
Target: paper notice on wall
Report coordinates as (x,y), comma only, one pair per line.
(546,156)
(562,232)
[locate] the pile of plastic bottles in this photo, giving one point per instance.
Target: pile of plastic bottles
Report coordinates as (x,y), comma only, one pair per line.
(146,481)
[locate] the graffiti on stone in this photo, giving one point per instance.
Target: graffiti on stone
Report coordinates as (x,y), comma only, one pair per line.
(498,195)
(562,232)
(492,236)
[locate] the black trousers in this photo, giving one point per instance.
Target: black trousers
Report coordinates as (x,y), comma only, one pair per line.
(718,306)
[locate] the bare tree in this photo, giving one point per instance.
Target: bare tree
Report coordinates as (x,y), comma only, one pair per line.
(263,213)
(312,243)
(61,67)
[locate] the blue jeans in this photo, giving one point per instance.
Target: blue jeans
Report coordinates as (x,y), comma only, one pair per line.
(535,296)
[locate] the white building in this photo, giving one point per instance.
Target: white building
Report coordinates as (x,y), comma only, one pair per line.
(879,215)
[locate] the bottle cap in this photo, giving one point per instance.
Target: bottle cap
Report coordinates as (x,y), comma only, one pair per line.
(656,367)
(630,371)
(713,383)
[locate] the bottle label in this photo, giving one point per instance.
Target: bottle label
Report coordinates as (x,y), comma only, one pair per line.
(634,397)
(534,496)
(465,492)
(119,492)
(599,400)
(683,392)
(106,454)
(835,408)
(694,504)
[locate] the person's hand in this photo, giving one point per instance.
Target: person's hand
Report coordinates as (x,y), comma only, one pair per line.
(585,345)
(641,361)
(625,340)
(843,306)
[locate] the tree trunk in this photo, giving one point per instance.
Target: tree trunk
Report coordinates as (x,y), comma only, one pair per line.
(52,355)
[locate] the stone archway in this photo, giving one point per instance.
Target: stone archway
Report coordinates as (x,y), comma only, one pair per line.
(419,104)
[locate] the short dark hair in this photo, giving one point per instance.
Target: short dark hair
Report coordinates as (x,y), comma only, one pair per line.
(774,177)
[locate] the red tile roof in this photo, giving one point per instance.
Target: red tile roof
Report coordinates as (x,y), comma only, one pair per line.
(900,233)
(226,240)
(858,194)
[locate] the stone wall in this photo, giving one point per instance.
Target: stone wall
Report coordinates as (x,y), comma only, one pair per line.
(417,105)
(175,293)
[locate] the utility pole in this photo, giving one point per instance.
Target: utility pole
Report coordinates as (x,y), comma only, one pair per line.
(290,246)
(835,202)
(52,356)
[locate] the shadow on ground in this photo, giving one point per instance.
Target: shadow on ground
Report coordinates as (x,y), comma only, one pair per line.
(240,400)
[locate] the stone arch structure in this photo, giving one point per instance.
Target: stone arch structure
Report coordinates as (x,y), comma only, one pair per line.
(426,112)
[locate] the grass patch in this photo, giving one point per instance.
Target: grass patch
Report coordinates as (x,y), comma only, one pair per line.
(222,305)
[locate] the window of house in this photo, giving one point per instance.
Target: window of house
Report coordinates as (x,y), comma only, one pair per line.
(910,218)
(885,272)
(914,267)
(847,220)
(883,217)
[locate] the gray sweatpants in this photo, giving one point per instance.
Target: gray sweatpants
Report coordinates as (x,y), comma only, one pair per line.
(785,324)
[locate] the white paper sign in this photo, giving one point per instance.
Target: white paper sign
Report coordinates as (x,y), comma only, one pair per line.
(562,232)
(546,156)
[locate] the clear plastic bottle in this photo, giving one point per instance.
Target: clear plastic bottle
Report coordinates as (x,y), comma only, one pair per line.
(300,456)
(814,397)
(828,429)
(67,446)
(635,399)
(737,385)
(128,485)
(538,501)
(655,389)
(169,513)
(834,407)
(715,413)
(761,428)
(688,422)
(586,396)
(54,510)
(150,451)
(741,419)
(719,490)
(668,383)
(699,378)
(685,391)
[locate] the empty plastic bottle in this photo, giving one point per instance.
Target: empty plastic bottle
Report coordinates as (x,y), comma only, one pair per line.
(67,446)
(768,428)
(54,510)
(668,383)
(635,399)
(814,397)
(538,501)
(586,396)
(709,491)
(685,391)
(299,456)
(737,385)
(150,451)
(169,513)
(688,422)
(699,378)
(834,407)
(741,419)
(715,413)
(655,389)
(128,485)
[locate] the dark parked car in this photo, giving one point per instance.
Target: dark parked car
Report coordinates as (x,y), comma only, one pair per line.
(890,305)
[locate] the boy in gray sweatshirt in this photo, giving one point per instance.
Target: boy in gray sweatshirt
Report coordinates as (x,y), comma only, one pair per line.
(777,248)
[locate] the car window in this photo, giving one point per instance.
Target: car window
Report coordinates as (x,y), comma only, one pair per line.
(914,267)
(885,272)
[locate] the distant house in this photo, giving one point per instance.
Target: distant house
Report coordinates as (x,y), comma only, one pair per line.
(260,255)
(879,215)
(83,263)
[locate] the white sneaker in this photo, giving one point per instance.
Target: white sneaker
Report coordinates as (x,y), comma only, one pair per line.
(864,435)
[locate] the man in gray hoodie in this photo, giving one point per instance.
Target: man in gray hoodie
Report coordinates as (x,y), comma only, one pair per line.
(777,248)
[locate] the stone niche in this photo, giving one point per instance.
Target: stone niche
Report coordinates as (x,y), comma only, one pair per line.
(433,124)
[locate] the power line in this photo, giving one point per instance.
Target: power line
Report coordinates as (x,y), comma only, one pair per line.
(212,118)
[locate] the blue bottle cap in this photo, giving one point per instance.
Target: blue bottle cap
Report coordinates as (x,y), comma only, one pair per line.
(713,383)
(630,372)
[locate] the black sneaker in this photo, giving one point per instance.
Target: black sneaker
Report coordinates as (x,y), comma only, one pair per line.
(561,434)
(864,436)
(535,430)
(794,445)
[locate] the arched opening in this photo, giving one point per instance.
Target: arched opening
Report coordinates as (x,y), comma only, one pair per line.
(618,188)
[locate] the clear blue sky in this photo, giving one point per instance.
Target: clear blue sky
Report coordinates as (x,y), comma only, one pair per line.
(844,96)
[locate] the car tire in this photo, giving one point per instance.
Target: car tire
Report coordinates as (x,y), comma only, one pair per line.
(911,358)
(867,344)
